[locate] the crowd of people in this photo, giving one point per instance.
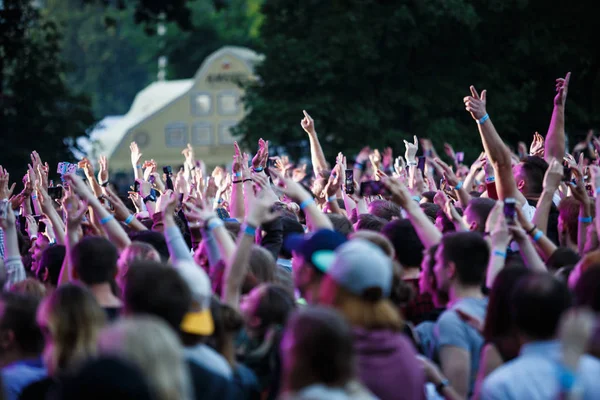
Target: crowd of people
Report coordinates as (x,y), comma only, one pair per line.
(379,278)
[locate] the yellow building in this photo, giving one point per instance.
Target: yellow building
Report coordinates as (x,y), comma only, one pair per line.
(167,115)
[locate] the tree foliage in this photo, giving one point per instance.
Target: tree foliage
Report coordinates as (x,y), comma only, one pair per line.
(378,72)
(38,110)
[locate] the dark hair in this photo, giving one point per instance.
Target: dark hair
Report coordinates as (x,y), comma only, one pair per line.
(275,306)
(563,273)
(568,211)
(406,242)
(470,253)
(440,294)
(447,224)
(587,288)
(52,260)
(538,301)
(431,210)
(155,239)
(20,318)
(498,321)
(323,349)
(562,256)
(95,260)
(370,223)
(385,209)
(481,207)
(341,224)
(290,225)
(157,289)
(535,168)
(430,195)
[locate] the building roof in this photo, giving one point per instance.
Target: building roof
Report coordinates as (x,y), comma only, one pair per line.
(109,133)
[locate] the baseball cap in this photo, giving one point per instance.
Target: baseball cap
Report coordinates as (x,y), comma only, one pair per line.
(319,243)
(359,267)
(199,320)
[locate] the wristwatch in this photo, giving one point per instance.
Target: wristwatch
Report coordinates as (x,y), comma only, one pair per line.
(441,386)
(150,197)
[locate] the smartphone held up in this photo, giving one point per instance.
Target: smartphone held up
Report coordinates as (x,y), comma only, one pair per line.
(373,188)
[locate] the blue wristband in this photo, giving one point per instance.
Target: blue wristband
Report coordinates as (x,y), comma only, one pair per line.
(500,253)
(459,185)
(538,235)
(214,223)
(490,179)
(33,197)
(598,190)
(249,230)
(483,119)
(307,203)
(238,174)
(106,220)
(332,198)
(416,198)
(258,169)
(585,220)
(129,219)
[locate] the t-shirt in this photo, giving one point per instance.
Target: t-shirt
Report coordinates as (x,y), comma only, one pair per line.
(453,329)
(205,356)
(18,375)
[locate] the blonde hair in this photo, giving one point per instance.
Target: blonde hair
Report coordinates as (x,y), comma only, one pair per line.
(370,315)
(74,320)
(30,287)
(151,345)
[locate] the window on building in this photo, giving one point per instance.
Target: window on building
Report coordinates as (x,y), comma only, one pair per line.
(202,134)
(228,103)
(176,134)
(201,103)
(225,134)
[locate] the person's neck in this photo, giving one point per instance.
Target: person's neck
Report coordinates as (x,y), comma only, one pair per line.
(104,295)
(311,294)
(459,291)
(410,273)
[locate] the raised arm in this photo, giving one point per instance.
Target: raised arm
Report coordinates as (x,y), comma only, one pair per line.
(495,149)
(49,211)
(15,271)
(555,139)
(317,157)
(425,229)
(75,211)
(552,179)
(237,267)
(237,188)
(136,158)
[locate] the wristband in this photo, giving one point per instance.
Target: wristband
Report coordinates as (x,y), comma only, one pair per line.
(213,223)
(500,253)
(248,180)
(411,164)
(249,230)
(585,220)
(459,185)
(598,190)
(51,242)
(106,220)
(34,197)
(238,181)
(416,198)
(360,166)
(307,203)
(238,174)
(129,219)
(33,237)
(529,232)
(538,235)
(332,198)
(491,179)
(258,169)
(483,119)
(104,184)
(138,166)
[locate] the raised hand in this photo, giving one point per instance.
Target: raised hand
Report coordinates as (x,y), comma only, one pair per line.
(562,88)
(388,156)
(553,176)
(188,153)
(475,104)
(334,183)
(198,214)
(260,210)
(103,172)
(400,193)
(292,189)
(375,158)
(399,166)
(79,187)
(447,172)
(411,150)
(260,154)
(136,200)
(180,182)
(136,155)
(298,174)
(537,145)
(5,191)
(449,151)
(308,124)
(75,210)
(167,203)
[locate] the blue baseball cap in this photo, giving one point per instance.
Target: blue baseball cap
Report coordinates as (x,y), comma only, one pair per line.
(315,246)
(359,267)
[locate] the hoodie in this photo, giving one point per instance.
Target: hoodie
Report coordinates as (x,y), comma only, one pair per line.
(388,366)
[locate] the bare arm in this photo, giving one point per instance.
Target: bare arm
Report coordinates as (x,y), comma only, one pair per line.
(555,138)
(317,157)
(552,179)
(495,149)
(456,365)
(490,359)
(50,212)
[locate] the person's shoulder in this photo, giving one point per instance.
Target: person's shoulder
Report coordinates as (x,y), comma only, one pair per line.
(207,384)
(497,384)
